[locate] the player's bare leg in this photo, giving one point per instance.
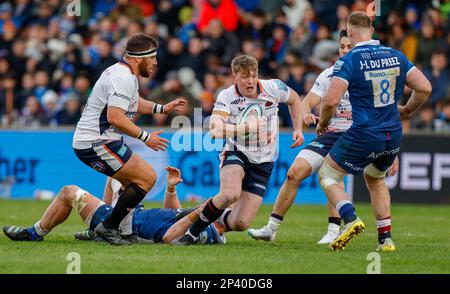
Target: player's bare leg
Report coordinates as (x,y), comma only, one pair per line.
(58,211)
(138,177)
(244,212)
(334,223)
(300,170)
(330,177)
(381,205)
(230,191)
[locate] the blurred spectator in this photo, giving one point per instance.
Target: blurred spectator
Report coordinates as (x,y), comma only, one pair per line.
(50,51)
(439,76)
(224,10)
(426,45)
(295,11)
(278,44)
(124,8)
(171,89)
(442,122)
(106,58)
(71,112)
(83,89)
(50,102)
(9,98)
(424,119)
(258,29)
(195,57)
(32,114)
(221,42)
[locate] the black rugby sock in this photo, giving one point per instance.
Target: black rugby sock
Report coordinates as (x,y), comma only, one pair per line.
(128,199)
(209,214)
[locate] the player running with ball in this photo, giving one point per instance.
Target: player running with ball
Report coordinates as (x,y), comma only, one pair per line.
(250,146)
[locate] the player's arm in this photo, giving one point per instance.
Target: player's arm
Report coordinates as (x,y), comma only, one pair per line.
(337,89)
(421,91)
(310,101)
(295,109)
(116,117)
(173,178)
(149,107)
(179,228)
(220,129)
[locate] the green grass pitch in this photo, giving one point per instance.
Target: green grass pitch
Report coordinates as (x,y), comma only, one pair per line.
(421,233)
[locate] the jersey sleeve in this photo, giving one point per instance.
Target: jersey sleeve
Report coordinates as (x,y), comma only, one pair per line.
(343,69)
(321,85)
(409,66)
(222,103)
(279,90)
(120,93)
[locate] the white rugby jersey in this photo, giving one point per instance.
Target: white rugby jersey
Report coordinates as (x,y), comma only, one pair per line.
(342,118)
(270,93)
(117,86)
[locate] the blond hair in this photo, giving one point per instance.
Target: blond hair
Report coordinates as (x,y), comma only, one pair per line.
(359,19)
(244,64)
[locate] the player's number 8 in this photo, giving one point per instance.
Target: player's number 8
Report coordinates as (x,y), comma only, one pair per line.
(385,96)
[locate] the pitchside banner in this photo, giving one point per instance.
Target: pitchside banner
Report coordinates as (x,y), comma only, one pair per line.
(39,163)
(424,175)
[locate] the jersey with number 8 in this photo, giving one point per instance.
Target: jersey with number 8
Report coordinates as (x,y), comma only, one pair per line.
(376,76)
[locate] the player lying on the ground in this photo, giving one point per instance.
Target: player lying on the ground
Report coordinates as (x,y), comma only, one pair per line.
(152,225)
(310,159)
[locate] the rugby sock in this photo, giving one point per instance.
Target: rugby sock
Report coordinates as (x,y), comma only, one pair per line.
(209,214)
(334,220)
(224,219)
(384,229)
(346,211)
(36,231)
(274,221)
(129,199)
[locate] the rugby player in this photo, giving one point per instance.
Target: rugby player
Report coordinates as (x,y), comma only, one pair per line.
(247,161)
(311,158)
(108,114)
(375,77)
(151,225)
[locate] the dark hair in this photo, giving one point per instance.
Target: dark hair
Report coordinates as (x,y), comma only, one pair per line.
(343,33)
(141,42)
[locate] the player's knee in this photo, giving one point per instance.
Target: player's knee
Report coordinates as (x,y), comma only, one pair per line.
(241,225)
(67,193)
(329,176)
(147,181)
(231,195)
(296,174)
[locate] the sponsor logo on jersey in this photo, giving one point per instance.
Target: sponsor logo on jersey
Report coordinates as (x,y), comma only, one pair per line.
(268,104)
(338,65)
(98,166)
(122,150)
(386,152)
(122,96)
(316,144)
(220,103)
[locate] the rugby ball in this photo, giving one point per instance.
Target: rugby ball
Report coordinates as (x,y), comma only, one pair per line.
(248,111)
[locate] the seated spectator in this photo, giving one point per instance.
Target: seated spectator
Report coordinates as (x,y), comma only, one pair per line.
(424,119)
(442,122)
(438,75)
(223,10)
(32,114)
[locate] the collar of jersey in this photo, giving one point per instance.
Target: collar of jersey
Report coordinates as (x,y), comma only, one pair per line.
(123,61)
(370,42)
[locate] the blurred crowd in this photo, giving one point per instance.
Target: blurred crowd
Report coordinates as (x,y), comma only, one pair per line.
(52,52)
